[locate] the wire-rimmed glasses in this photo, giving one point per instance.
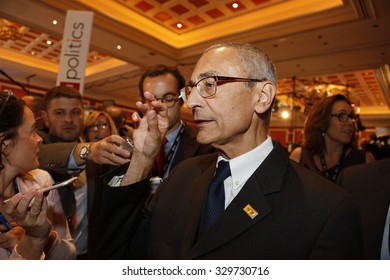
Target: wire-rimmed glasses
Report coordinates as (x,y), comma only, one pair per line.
(207,86)
(97,127)
(343,117)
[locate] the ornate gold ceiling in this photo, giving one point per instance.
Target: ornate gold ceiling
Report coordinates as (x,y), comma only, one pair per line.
(193,14)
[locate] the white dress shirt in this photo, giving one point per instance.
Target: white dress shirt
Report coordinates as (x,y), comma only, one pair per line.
(242,167)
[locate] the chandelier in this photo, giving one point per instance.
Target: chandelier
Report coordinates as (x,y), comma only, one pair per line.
(9,31)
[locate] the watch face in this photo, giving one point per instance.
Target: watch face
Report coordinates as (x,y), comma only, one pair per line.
(84,151)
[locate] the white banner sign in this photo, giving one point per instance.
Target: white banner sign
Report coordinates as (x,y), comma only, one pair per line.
(74,50)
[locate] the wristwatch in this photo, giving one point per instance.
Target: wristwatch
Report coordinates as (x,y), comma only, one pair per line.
(84,151)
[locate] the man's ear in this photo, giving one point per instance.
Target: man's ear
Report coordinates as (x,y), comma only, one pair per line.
(265,96)
(45,118)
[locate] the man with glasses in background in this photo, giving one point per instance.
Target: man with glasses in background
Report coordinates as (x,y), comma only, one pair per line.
(249,201)
(164,82)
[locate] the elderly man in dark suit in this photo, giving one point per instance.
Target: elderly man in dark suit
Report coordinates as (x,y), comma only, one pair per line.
(369,185)
(248,201)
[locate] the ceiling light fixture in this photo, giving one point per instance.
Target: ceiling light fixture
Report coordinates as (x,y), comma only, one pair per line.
(179,25)
(285,115)
(9,31)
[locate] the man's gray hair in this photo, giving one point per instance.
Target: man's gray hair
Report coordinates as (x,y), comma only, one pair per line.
(256,63)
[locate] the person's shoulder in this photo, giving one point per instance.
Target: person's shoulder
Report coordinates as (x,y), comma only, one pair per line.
(296,154)
(41,176)
(312,182)
(370,157)
(382,166)
(200,159)
(34,178)
(188,166)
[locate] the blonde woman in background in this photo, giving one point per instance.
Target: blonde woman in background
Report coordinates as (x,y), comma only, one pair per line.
(97,126)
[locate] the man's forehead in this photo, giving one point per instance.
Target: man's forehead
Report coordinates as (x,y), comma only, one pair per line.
(65,102)
(214,61)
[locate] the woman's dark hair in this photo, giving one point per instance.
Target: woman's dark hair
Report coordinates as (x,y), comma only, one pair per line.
(317,122)
(11,118)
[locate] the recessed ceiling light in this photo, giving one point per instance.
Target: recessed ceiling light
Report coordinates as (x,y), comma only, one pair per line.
(55,22)
(285,115)
(235,5)
(48,42)
(118,47)
(179,25)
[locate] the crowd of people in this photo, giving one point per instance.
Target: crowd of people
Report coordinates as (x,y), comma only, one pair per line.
(227,191)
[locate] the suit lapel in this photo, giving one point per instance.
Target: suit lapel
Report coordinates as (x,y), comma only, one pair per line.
(198,194)
(266,180)
(188,146)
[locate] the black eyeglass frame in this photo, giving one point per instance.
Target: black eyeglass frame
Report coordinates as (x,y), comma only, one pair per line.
(186,90)
(176,98)
(343,117)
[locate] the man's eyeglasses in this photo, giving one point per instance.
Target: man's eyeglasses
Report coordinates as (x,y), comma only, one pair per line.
(207,87)
(98,127)
(7,93)
(343,117)
(169,100)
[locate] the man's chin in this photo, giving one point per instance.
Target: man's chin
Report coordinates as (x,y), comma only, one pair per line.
(203,138)
(69,139)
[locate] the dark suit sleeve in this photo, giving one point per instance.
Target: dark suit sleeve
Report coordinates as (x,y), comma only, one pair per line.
(117,218)
(54,157)
(341,235)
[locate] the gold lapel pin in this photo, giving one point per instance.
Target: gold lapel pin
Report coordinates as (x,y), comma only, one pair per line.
(250,211)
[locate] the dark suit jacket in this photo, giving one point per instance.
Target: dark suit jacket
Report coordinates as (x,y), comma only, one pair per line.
(369,185)
(300,216)
(54,158)
(189,147)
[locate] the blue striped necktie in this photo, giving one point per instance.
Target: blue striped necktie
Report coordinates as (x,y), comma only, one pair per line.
(216,195)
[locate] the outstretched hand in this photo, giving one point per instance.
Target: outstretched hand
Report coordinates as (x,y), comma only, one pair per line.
(148,134)
(109,151)
(151,128)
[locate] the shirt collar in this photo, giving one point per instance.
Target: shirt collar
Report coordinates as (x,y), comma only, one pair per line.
(243,166)
(172,136)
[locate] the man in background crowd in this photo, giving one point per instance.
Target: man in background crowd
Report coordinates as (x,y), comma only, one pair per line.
(35,102)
